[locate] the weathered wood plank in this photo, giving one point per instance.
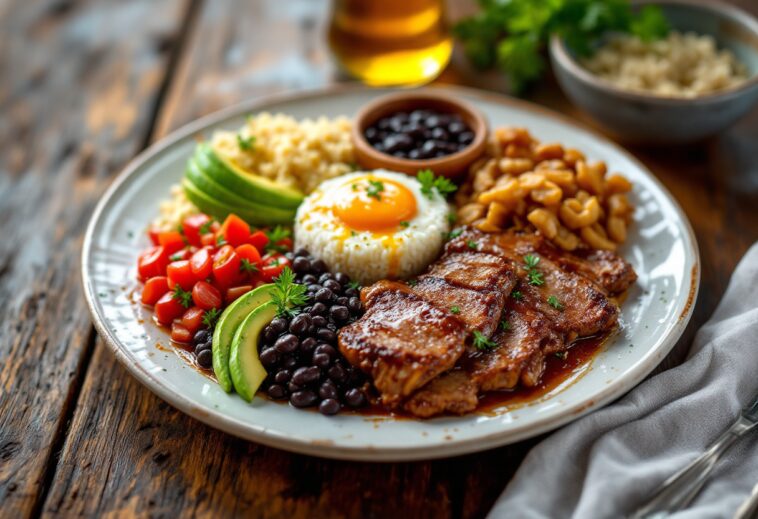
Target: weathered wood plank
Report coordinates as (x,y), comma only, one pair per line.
(78,80)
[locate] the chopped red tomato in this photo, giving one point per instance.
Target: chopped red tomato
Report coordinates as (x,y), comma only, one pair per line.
(183,254)
(167,309)
(180,333)
(208,240)
(251,254)
(273,266)
(235,292)
(206,296)
(192,225)
(201,263)
(226,266)
(152,233)
(259,240)
(152,262)
(154,289)
(172,241)
(192,319)
(235,230)
(180,273)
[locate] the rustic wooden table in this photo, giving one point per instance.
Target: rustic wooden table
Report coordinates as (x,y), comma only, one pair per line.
(84,86)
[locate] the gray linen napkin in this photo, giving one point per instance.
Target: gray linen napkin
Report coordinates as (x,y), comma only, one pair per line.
(609,462)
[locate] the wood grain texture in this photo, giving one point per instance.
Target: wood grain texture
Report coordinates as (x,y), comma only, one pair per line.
(126,452)
(79,81)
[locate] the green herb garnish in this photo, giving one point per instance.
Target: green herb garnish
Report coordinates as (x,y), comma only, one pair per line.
(354,285)
(482,343)
(405,224)
(455,310)
(517,295)
(471,244)
(276,235)
(220,240)
(531,261)
(176,256)
(454,233)
(452,218)
(412,282)
(555,303)
(183,296)
(287,294)
(245,143)
(505,325)
(563,355)
(429,183)
(206,227)
(247,266)
(375,187)
(512,34)
(210,317)
(535,278)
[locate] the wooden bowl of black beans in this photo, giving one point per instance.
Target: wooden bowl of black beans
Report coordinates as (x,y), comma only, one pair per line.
(417,130)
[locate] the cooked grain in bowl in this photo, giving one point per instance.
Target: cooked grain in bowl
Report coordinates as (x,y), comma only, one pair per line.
(681,65)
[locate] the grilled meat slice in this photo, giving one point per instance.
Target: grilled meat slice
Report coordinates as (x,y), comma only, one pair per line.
(476,271)
(452,392)
(402,340)
(477,310)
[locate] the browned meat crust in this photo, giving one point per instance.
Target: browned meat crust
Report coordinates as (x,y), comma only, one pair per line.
(452,392)
(477,271)
(402,340)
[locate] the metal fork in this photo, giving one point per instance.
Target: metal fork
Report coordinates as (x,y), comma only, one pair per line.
(679,490)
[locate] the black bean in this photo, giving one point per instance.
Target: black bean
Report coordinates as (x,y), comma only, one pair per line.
(268,334)
(440,134)
(319,308)
(289,362)
(342,278)
(322,360)
(337,373)
(313,288)
(279,324)
(332,285)
(414,154)
(301,252)
(312,330)
(319,321)
(303,398)
(354,305)
(432,121)
(287,343)
(277,391)
(308,344)
(339,313)
(318,266)
(326,349)
(328,390)
(282,376)
(371,134)
(305,375)
(326,276)
(300,324)
(269,357)
(301,264)
(354,397)
(289,255)
(309,279)
(355,376)
(202,347)
(205,359)
(293,388)
(466,137)
(351,292)
(324,295)
(201,336)
(329,407)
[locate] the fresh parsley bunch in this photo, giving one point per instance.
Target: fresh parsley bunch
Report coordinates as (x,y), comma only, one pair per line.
(511,34)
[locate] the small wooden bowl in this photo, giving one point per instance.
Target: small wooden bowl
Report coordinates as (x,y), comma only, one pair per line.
(450,166)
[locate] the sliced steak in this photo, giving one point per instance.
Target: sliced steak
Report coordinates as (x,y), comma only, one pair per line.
(402,340)
(476,271)
(452,392)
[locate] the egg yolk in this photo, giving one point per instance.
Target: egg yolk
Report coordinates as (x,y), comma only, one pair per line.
(374,204)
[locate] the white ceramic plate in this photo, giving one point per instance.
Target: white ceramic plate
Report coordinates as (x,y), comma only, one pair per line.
(661,246)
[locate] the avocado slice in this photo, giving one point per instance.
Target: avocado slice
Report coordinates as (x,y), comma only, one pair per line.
(220,210)
(244,365)
(227,325)
(249,185)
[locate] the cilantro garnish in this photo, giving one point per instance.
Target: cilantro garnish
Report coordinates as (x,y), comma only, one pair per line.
(375,187)
(245,143)
(555,303)
(405,224)
(412,282)
(471,244)
(452,218)
(505,325)
(248,266)
(354,285)
(454,233)
(276,235)
(455,309)
(535,277)
(517,295)
(206,227)
(210,317)
(354,187)
(183,296)
(482,343)
(176,256)
(563,355)
(220,240)
(287,294)
(531,261)
(429,183)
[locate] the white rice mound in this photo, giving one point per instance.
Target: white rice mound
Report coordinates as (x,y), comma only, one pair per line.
(364,256)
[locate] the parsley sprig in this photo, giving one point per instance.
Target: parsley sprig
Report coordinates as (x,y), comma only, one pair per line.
(183,296)
(288,295)
(555,303)
(246,143)
(455,309)
(513,34)
(505,325)
(210,317)
(534,276)
(430,183)
(247,266)
(276,235)
(482,343)
(206,227)
(375,188)
(517,295)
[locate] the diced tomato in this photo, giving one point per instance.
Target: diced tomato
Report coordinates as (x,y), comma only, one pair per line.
(285,243)
(154,289)
(180,333)
(180,273)
(172,241)
(235,230)
(152,233)
(235,292)
(273,266)
(226,266)
(193,319)
(183,254)
(167,309)
(206,296)
(249,253)
(152,262)
(201,263)
(208,240)
(259,240)
(192,225)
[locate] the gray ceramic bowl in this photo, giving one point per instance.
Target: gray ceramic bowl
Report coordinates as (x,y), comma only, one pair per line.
(646,118)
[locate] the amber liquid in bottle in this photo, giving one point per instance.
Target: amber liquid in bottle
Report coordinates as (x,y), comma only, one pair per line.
(390,42)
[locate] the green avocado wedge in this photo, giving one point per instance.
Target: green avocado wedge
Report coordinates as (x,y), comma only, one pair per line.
(220,210)
(228,324)
(248,185)
(244,365)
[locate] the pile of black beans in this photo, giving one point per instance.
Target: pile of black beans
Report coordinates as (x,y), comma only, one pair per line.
(420,134)
(202,343)
(300,352)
